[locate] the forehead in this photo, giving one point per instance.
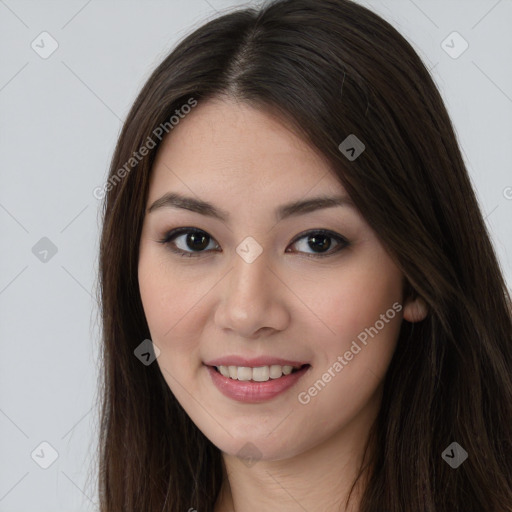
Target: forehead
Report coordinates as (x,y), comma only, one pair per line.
(226,146)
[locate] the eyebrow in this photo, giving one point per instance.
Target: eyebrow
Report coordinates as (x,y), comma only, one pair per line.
(175,200)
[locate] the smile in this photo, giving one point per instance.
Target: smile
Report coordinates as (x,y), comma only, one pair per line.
(258,384)
(258,374)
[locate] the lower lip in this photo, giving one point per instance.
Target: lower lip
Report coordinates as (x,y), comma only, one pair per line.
(253,392)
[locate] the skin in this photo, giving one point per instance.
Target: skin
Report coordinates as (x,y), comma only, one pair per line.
(286,303)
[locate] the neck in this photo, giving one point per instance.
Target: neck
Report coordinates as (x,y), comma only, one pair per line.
(318,479)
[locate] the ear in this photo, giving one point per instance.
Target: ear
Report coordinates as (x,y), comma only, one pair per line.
(415,309)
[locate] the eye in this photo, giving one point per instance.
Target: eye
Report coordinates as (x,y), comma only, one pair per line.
(321,240)
(195,241)
(192,238)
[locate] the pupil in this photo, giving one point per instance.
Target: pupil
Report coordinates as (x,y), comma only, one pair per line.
(197,241)
(317,244)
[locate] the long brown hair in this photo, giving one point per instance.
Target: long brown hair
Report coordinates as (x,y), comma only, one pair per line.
(331,68)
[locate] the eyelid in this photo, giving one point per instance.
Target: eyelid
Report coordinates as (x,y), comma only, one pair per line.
(173,233)
(343,243)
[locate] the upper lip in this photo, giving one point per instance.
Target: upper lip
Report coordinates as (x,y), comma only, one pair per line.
(253,362)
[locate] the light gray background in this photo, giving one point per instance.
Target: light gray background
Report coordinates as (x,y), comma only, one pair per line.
(60,118)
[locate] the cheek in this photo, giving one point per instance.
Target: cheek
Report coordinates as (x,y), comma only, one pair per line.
(356,298)
(168,304)
(155,294)
(362,310)
(353,358)
(168,300)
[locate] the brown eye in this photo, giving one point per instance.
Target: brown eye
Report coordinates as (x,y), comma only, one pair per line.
(320,242)
(193,242)
(190,241)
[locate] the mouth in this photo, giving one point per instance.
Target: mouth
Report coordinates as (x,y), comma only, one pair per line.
(258,373)
(255,384)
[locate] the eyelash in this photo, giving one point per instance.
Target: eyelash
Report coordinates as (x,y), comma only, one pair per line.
(343,243)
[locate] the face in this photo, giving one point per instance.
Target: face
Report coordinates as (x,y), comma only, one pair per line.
(304,286)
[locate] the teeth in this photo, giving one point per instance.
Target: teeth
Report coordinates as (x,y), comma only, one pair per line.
(275,371)
(225,370)
(244,373)
(259,374)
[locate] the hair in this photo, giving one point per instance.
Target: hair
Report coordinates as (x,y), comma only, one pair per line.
(329,68)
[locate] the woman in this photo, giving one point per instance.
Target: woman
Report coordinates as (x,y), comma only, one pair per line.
(302,309)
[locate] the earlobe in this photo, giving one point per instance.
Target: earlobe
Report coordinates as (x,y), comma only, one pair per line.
(415,310)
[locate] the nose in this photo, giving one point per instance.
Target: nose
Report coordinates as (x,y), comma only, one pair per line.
(252,299)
